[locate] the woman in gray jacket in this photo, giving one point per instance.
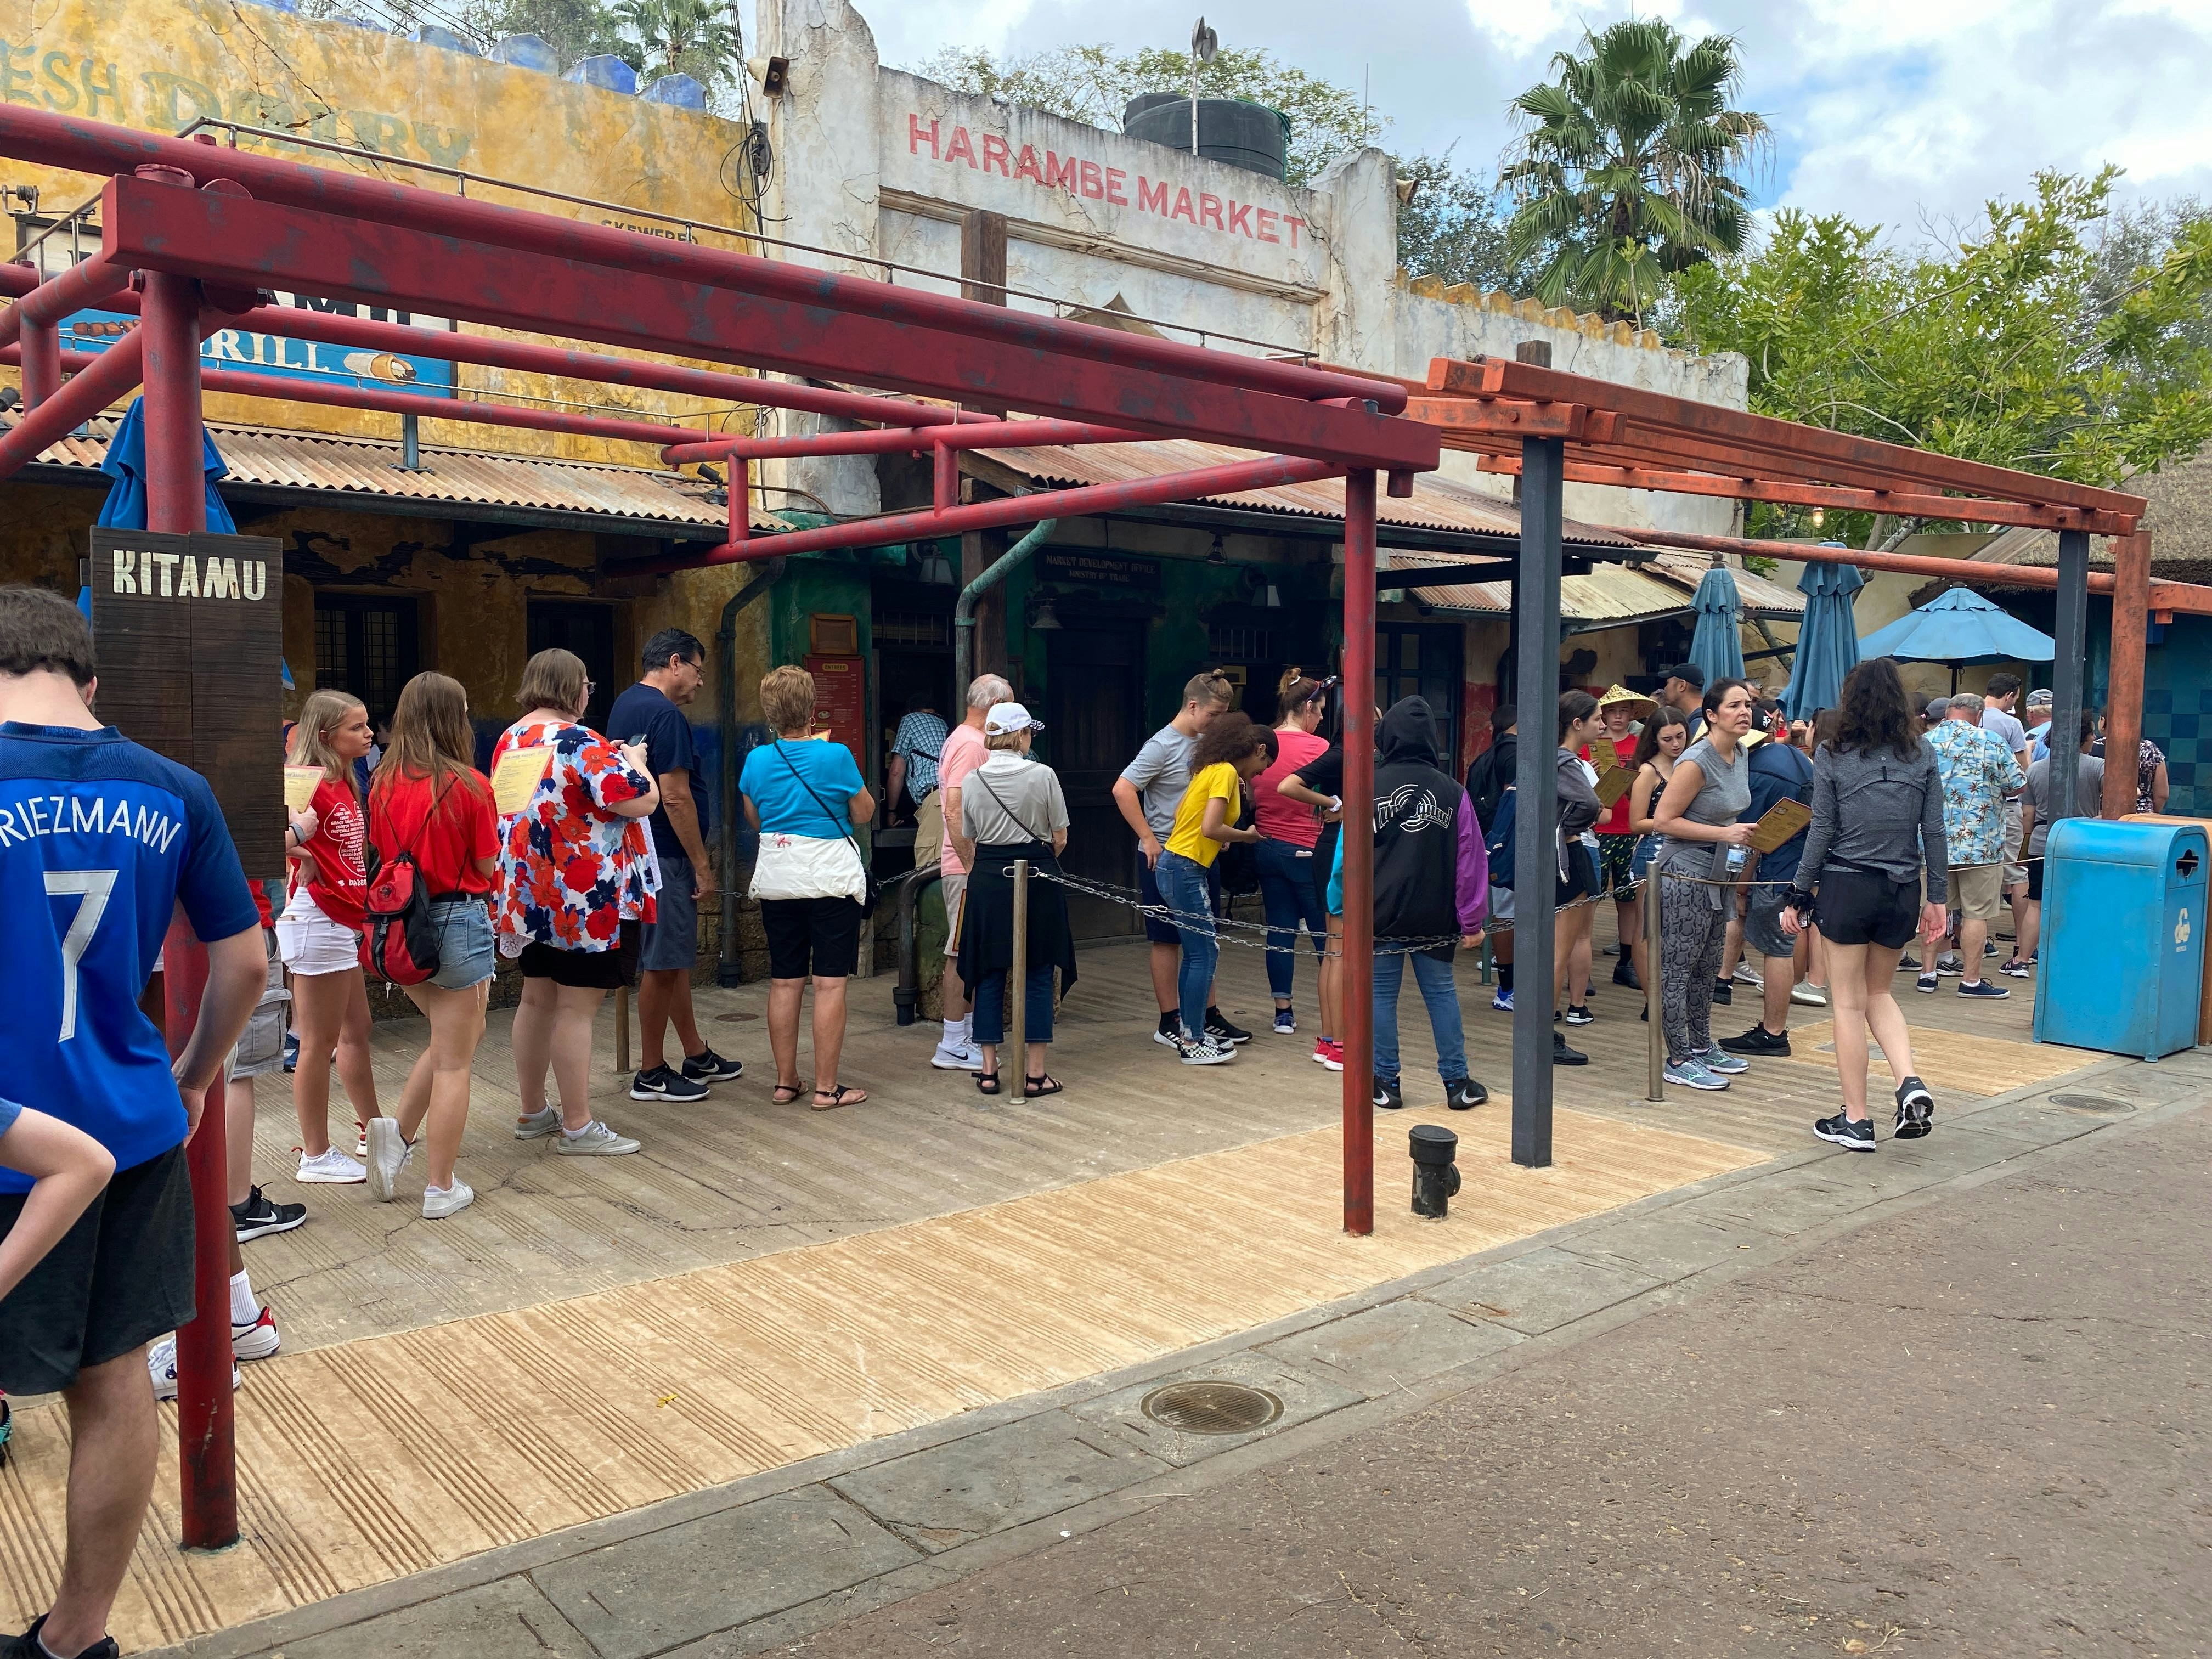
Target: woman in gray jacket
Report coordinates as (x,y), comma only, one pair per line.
(1877,823)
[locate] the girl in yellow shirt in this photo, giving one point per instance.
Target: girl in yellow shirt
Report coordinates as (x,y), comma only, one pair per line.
(1231,752)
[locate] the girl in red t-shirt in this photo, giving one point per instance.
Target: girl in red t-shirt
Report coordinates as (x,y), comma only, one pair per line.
(427,800)
(318,934)
(1288,830)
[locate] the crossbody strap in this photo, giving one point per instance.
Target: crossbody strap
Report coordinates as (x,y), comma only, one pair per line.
(978,775)
(800,778)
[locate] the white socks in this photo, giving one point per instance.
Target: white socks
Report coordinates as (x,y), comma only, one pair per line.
(967,1028)
(244,1309)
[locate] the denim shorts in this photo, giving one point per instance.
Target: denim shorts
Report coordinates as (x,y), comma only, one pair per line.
(466,954)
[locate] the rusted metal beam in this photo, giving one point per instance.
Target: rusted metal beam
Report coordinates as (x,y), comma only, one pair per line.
(891,441)
(257,243)
(80,286)
(1510,418)
(2123,684)
(111,378)
(1229,480)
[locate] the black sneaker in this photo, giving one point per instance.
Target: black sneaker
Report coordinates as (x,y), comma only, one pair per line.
(1908,963)
(1916,1109)
(1723,991)
(258,1218)
(709,1067)
(1982,987)
(1854,1137)
(1579,1015)
(27,1646)
(1464,1094)
(1562,1055)
(1624,974)
(1387,1098)
(1168,1032)
(664,1083)
(1757,1040)
(1219,1027)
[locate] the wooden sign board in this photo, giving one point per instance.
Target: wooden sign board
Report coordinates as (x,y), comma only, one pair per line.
(190,634)
(841,702)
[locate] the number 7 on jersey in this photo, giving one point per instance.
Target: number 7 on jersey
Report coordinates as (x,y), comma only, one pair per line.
(94,886)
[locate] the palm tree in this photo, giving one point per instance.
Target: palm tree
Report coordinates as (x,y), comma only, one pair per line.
(683,37)
(1624,170)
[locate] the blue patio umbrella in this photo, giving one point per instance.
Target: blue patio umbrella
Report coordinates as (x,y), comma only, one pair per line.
(1827,640)
(126,506)
(1956,628)
(1716,646)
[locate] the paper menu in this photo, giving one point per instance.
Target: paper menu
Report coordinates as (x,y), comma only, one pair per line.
(300,783)
(1783,820)
(517,775)
(1611,784)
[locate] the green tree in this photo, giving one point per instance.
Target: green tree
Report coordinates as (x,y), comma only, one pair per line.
(1625,170)
(683,37)
(573,28)
(1450,229)
(1091,83)
(2030,344)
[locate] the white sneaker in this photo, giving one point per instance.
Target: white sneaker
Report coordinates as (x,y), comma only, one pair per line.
(255,1341)
(388,1153)
(1808,995)
(594,1139)
(1205,1052)
(330,1168)
(960,1059)
(161,1367)
(536,1125)
(1747,974)
(437,1206)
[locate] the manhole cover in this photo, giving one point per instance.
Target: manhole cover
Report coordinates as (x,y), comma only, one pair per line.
(2091,1103)
(1211,1408)
(736,1014)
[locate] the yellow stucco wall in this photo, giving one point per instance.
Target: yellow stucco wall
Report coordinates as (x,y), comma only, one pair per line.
(157,64)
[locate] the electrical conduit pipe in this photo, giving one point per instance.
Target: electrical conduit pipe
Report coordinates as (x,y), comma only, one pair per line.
(963,610)
(726,700)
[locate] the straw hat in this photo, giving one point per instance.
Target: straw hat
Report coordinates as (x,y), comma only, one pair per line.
(1638,708)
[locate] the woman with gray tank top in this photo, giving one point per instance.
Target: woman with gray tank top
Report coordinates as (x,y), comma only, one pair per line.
(1877,820)
(1704,848)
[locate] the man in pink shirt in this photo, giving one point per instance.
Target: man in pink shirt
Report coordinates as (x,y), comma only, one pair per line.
(963,753)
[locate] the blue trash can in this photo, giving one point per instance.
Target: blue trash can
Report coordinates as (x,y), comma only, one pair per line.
(2123,950)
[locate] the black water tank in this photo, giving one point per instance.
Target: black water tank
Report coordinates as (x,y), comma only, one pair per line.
(1230,130)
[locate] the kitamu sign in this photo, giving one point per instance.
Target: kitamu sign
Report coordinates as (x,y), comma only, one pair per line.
(1116,187)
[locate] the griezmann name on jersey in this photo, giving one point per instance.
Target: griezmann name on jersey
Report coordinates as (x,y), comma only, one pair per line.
(100,839)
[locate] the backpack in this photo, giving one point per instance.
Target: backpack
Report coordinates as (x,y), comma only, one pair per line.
(1497,837)
(398,939)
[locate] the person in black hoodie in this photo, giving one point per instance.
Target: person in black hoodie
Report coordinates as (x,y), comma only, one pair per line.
(1431,885)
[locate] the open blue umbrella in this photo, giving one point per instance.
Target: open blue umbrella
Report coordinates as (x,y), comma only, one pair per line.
(1827,640)
(126,506)
(1958,626)
(1716,646)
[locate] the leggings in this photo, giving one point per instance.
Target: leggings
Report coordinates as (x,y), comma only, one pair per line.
(1693,938)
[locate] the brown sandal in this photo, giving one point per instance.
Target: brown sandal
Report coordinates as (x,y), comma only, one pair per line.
(828,1100)
(787,1092)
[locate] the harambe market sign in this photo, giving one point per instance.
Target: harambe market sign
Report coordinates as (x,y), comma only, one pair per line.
(988,153)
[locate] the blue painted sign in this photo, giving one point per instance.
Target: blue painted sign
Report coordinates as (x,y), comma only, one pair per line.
(247,351)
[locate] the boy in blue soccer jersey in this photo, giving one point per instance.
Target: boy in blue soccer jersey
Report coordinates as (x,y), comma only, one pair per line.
(100,841)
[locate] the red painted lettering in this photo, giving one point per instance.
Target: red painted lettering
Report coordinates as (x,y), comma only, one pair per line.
(960,150)
(1026,166)
(914,135)
(1295,225)
(1059,171)
(1114,177)
(1269,217)
(1209,209)
(1151,198)
(1182,206)
(995,151)
(1094,184)
(1240,217)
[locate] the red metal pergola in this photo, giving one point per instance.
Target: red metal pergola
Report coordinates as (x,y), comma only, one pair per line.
(191,234)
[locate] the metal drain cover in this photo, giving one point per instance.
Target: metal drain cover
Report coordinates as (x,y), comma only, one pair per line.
(2091,1103)
(1211,1408)
(735,1014)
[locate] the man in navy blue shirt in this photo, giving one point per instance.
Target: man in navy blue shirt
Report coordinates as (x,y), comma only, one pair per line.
(1779,772)
(100,841)
(651,713)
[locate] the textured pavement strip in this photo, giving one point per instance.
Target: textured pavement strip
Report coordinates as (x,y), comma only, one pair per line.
(773,1558)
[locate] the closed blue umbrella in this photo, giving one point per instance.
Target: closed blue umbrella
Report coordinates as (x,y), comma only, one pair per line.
(1716,646)
(126,506)
(1958,626)
(1827,640)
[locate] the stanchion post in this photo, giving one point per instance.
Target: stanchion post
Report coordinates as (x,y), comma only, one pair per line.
(1015,1052)
(1535,894)
(2124,700)
(1655,1035)
(2068,658)
(1357,971)
(622,1029)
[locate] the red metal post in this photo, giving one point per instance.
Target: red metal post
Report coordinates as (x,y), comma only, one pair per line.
(741,495)
(2124,692)
(891,441)
(77,402)
(42,363)
(1357,978)
(176,500)
(944,477)
(81,285)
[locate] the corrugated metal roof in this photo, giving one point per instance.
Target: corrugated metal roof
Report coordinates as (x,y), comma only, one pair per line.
(311,462)
(1610,593)
(1437,503)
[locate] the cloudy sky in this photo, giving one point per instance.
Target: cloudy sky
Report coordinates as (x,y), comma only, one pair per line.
(1908,112)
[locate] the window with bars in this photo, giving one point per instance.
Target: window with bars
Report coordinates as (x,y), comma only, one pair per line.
(1234,642)
(921,628)
(368,645)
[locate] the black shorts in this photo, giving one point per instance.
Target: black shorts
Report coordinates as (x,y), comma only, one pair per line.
(2035,881)
(817,936)
(1857,907)
(1160,931)
(1582,877)
(118,1279)
(585,970)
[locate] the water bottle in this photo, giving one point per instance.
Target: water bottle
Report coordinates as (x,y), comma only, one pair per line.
(1737,858)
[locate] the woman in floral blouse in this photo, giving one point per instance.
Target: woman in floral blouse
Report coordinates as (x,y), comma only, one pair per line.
(576,880)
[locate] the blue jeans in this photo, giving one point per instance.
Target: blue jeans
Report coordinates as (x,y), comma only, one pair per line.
(1441,992)
(991,1007)
(1286,888)
(1183,890)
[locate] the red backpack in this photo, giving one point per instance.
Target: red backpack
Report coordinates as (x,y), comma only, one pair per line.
(398,939)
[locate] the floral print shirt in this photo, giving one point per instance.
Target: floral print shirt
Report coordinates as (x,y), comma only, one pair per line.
(1978,772)
(571,870)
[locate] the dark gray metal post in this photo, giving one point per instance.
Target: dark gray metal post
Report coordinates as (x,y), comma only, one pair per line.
(2067,667)
(1536,687)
